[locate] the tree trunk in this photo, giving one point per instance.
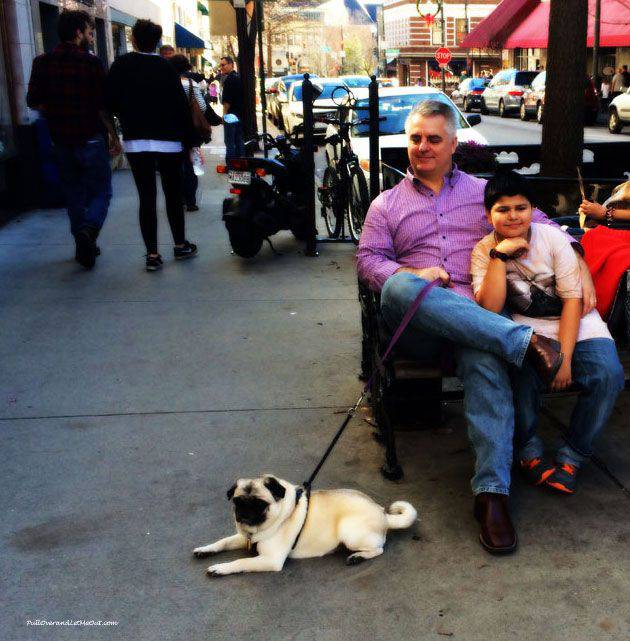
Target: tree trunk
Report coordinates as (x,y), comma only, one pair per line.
(269,54)
(246,34)
(563,114)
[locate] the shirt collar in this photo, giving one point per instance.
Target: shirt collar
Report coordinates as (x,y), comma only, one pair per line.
(69,46)
(450,179)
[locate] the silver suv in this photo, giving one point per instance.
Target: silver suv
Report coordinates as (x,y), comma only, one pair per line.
(504,93)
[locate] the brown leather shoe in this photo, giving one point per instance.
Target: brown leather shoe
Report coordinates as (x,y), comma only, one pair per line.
(497,534)
(545,355)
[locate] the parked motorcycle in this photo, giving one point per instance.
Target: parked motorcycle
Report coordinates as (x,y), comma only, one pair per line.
(269,194)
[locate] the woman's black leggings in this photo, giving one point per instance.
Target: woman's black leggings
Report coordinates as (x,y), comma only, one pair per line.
(143,166)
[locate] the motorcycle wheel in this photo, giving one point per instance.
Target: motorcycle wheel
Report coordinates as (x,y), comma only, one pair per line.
(331,211)
(358,203)
(245,241)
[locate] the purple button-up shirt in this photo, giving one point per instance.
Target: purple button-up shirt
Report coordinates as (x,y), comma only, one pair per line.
(411,226)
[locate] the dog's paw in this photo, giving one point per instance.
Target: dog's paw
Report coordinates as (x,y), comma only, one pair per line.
(217,570)
(206,550)
(355,559)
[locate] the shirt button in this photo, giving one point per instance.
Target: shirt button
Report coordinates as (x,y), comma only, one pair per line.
(444,237)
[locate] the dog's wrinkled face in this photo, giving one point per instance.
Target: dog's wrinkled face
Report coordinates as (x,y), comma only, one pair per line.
(257,502)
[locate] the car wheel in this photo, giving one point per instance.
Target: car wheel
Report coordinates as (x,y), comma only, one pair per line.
(522,112)
(614,124)
(483,108)
(502,113)
(465,106)
(539,113)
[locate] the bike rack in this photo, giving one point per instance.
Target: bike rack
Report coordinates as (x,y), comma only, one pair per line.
(309,159)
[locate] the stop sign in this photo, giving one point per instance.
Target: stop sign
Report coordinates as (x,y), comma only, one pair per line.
(443,56)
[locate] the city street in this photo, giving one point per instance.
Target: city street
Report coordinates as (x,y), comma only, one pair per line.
(131,401)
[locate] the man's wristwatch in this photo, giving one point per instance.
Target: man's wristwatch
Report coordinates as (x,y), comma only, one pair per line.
(500,255)
(609,216)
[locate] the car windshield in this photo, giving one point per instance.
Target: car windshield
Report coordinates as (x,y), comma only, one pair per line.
(357,81)
(523,78)
(395,110)
(479,83)
(326,93)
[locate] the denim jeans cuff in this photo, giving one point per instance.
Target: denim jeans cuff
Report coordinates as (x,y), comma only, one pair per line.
(530,450)
(523,350)
(566,454)
(492,489)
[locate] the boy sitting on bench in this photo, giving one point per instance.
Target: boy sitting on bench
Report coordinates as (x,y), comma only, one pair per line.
(531,270)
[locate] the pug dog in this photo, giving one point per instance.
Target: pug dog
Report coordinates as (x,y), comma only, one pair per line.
(278,520)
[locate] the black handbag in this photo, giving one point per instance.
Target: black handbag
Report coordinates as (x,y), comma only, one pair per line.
(211,115)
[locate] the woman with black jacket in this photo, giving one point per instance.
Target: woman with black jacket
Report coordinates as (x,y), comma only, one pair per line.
(146,94)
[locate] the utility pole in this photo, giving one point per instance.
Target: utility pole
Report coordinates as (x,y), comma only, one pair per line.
(595,74)
(442,67)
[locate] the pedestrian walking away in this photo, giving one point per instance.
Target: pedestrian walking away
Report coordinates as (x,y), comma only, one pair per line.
(617,84)
(193,92)
(67,86)
(146,94)
(232,98)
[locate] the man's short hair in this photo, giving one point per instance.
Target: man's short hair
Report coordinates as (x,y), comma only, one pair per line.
(147,34)
(506,183)
(428,108)
(181,63)
(72,21)
(166,48)
(228,59)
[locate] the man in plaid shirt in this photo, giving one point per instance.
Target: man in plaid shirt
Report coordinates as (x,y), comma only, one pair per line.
(67,87)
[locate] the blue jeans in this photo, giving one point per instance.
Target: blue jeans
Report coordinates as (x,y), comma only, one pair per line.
(596,369)
(484,344)
(233,135)
(86,178)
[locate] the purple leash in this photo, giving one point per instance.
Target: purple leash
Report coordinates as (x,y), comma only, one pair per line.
(413,308)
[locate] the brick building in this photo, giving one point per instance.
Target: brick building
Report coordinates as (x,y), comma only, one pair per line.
(411,43)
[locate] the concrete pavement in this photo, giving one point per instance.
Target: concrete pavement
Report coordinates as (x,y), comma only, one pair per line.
(131,401)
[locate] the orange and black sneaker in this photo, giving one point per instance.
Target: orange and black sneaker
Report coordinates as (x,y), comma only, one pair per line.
(537,470)
(564,478)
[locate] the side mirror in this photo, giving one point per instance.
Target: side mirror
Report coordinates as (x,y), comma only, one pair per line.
(473,119)
(317,90)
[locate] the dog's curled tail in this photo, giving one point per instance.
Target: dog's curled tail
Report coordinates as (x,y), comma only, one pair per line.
(400,515)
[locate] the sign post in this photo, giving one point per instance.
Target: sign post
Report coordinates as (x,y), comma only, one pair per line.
(443,57)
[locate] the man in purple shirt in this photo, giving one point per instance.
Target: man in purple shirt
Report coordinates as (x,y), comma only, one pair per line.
(426,228)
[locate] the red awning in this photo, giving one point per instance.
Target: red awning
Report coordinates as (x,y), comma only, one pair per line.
(492,32)
(614,26)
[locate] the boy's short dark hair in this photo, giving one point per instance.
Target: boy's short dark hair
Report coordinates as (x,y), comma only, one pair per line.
(506,183)
(181,63)
(147,34)
(228,59)
(72,21)
(166,48)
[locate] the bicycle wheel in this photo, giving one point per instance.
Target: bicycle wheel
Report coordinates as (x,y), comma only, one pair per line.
(358,203)
(329,198)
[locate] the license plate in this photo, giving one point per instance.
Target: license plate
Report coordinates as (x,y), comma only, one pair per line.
(240,177)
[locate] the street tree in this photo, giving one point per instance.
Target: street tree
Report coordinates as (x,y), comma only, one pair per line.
(563,119)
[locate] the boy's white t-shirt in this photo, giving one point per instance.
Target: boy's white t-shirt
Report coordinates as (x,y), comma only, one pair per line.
(550,269)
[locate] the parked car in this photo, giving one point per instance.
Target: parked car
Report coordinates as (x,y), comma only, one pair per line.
(395,103)
(277,95)
(355,81)
(619,113)
(468,94)
(506,90)
(293,108)
(533,100)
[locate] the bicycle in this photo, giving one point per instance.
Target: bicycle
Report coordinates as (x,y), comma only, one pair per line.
(344,192)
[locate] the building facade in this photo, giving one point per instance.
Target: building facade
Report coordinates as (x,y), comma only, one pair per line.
(411,41)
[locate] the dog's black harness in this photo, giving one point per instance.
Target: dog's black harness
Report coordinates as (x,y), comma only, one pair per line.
(252,548)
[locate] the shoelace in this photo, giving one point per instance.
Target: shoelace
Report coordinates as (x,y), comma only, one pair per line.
(531,464)
(568,468)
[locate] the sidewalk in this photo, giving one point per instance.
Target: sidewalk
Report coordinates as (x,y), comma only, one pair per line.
(130,402)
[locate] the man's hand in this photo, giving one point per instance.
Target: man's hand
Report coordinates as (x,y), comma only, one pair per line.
(514,247)
(430,274)
(589,297)
(563,377)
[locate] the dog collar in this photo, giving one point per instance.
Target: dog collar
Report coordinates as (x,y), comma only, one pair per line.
(298,496)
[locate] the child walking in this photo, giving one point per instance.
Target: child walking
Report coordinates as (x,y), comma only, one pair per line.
(532,271)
